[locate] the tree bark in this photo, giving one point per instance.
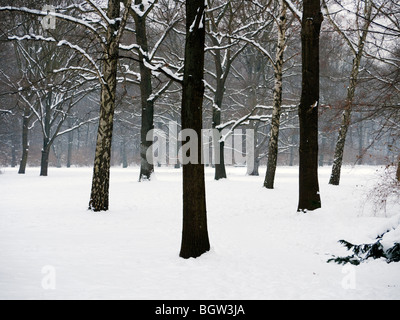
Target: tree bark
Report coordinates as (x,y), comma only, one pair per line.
(277,104)
(44,163)
(195,240)
(146,168)
(346,116)
(398,170)
(309,197)
(99,199)
(25,141)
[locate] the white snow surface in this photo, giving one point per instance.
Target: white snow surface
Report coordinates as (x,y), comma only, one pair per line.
(261,247)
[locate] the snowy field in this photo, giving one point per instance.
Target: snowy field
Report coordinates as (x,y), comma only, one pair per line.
(51,247)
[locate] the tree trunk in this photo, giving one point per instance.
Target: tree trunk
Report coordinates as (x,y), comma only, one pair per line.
(277,105)
(195,240)
(146,90)
(219,147)
(44,163)
(309,197)
(70,145)
(25,142)
(123,153)
(398,170)
(13,152)
(99,199)
(346,117)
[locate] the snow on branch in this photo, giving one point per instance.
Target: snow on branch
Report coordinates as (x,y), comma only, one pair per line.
(55,14)
(296,12)
(62,43)
(143,9)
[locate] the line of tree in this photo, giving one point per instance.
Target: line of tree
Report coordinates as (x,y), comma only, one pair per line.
(216,64)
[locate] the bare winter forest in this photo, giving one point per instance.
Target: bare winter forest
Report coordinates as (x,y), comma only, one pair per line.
(164,84)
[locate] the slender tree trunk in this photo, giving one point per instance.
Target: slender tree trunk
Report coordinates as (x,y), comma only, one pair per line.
(99,199)
(25,141)
(195,240)
(277,104)
(44,164)
(13,152)
(219,147)
(123,153)
(346,116)
(309,197)
(70,146)
(146,168)
(398,170)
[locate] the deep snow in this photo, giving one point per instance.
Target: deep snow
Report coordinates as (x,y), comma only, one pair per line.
(51,247)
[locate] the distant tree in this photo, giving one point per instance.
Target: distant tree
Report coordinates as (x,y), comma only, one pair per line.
(195,240)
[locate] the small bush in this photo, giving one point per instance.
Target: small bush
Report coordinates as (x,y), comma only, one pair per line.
(386,191)
(386,246)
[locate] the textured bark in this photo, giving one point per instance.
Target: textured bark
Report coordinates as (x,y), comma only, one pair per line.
(346,116)
(277,104)
(195,240)
(99,199)
(146,168)
(25,142)
(309,197)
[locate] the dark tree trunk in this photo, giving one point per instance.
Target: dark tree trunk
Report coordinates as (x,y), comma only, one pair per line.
(99,199)
(309,197)
(146,167)
(219,147)
(25,141)
(398,170)
(44,163)
(123,153)
(195,239)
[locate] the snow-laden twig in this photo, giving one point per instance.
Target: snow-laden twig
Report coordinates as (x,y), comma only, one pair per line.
(63,43)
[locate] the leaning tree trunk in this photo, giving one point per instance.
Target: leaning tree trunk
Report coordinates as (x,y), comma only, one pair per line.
(277,105)
(195,240)
(309,197)
(146,165)
(99,199)
(346,117)
(25,141)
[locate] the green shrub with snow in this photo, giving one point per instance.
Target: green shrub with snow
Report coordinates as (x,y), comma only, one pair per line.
(386,246)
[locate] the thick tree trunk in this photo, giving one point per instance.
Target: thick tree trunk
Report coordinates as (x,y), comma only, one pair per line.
(309,197)
(346,117)
(25,141)
(146,168)
(195,240)
(99,199)
(277,104)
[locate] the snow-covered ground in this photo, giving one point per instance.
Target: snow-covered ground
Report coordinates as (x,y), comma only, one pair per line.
(51,247)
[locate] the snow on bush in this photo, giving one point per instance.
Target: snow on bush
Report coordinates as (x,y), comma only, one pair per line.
(386,246)
(385,193)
